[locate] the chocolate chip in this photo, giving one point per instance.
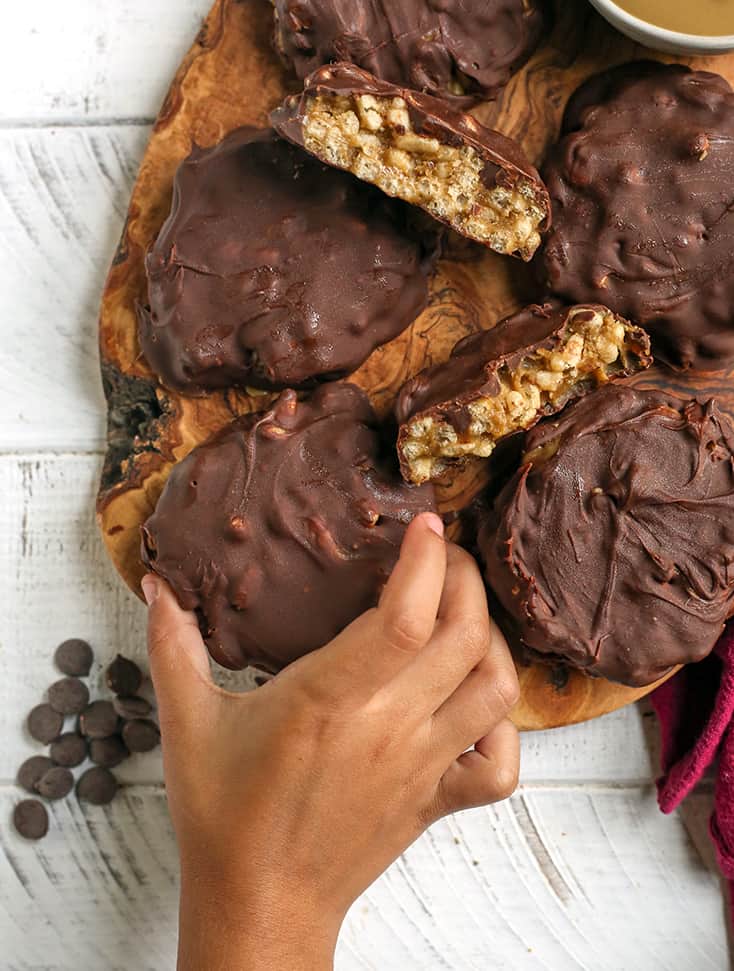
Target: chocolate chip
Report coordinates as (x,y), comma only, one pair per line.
(134,707)
(74,657)
(56,783)
(108,752)
(141,735)
(31,819)
(98,720)
(123,677)
(97,786)
(69,749)
(45,724)
(68,696)
(31,771)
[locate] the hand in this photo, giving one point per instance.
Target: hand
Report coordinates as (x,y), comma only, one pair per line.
(289,801)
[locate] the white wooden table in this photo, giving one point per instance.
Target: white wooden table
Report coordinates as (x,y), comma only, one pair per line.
(577,871)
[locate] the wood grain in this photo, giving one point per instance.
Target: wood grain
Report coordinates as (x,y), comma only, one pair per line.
(231,77)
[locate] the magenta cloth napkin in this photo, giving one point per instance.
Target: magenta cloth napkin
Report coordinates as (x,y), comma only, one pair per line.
(696,712)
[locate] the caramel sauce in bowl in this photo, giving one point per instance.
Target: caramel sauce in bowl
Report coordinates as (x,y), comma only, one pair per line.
(674,26)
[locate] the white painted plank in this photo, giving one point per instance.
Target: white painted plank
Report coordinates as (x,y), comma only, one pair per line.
(621,747)
(63,198)
(60,584)
(89,60)
(563,880)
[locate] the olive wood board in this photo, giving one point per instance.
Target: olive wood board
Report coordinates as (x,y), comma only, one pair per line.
(231,77)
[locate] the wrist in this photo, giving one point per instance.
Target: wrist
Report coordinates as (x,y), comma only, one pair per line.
(249,928)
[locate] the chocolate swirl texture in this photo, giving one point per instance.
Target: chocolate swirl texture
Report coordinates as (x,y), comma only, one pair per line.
(283,528)
(642,187)
(461,51)
(246,278)
(612,548)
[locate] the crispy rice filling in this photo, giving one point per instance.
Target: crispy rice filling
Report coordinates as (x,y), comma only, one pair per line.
(592,351)
(374,139)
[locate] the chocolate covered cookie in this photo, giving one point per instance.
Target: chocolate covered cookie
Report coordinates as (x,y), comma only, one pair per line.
(273,270)
(416,148)
(460,51)
(283,528)
(612,548)
(506,379)
(642,186)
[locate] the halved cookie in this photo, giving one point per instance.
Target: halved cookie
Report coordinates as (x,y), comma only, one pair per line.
(418,149)
(506,379)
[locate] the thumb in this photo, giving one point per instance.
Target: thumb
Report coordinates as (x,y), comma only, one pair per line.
(179,663)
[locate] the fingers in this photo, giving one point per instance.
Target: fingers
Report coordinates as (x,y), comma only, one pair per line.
(488,773)
(373,650)
(409,603)
(463,592)
(485,697)
(460,640)
(179,663)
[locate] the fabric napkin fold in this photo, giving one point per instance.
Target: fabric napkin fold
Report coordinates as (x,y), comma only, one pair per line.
(696,712)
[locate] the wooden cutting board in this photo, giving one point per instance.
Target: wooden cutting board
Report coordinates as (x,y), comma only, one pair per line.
(231,77)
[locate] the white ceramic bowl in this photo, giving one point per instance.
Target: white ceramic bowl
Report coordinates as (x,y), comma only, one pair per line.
(659,39)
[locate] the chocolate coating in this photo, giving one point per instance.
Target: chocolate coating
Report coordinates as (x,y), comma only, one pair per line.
(273,270)
(505,163)
(283,528)
(643,207)
(445,390)
(460,51)
(613,546)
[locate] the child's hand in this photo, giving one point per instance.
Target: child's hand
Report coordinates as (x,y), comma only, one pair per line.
(288,802)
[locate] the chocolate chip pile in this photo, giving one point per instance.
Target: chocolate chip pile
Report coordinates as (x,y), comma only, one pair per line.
(106,732)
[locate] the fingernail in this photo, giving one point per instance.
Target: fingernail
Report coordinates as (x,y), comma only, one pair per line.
(150,588)
(434,523)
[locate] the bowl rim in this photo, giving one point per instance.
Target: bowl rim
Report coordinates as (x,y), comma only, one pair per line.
(663,33)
